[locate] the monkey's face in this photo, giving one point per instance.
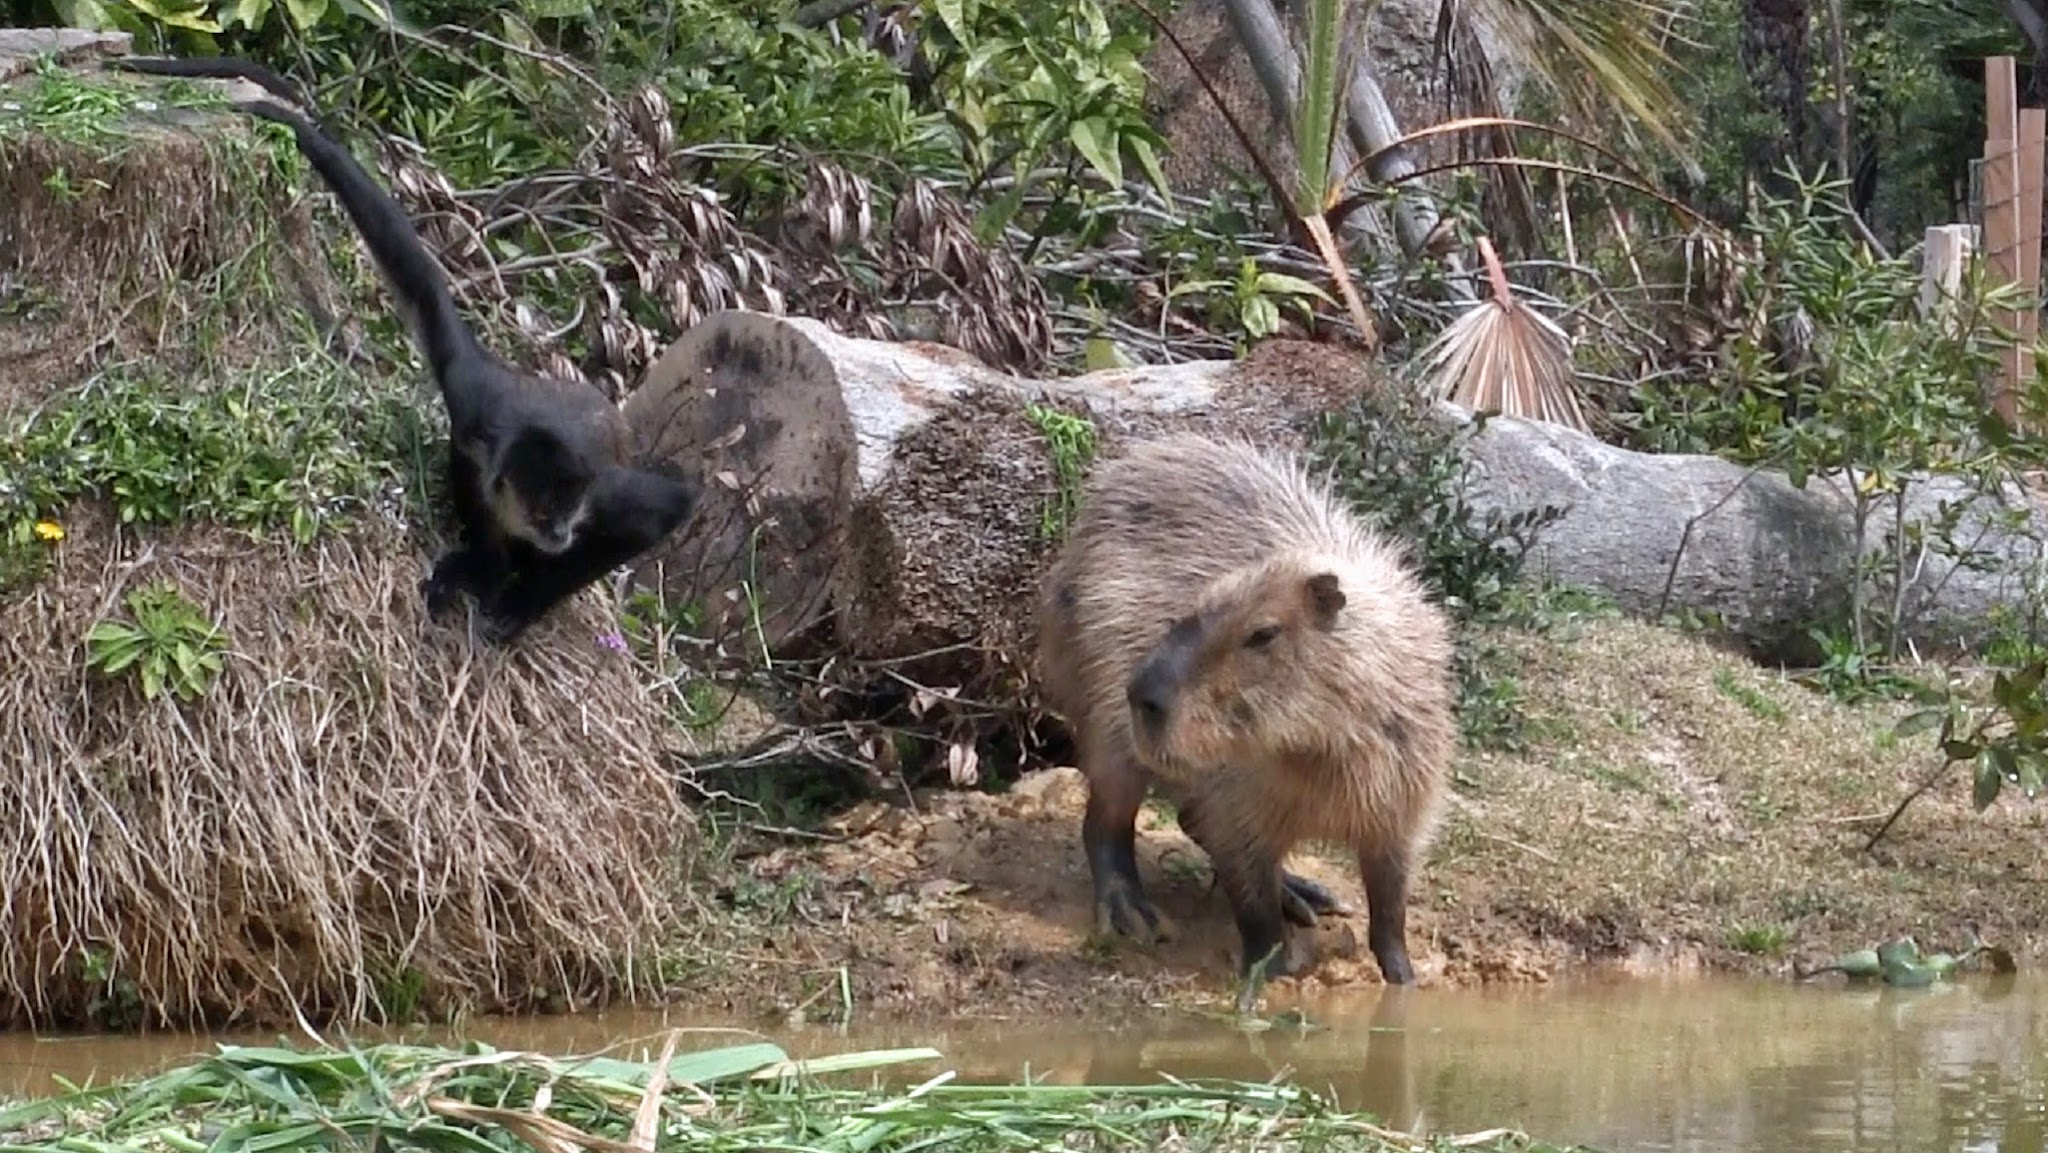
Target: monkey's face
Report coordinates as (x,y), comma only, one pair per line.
(541,492)
(547,517)
(555,515)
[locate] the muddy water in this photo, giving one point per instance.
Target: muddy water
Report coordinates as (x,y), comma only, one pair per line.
(1640,1065)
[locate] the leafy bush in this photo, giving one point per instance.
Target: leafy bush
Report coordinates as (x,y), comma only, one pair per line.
(298,449)
(1402,467)
(1834,372)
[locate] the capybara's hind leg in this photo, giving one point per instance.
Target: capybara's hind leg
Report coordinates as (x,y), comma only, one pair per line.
(1301,900)
(1109,830)
(1386,901)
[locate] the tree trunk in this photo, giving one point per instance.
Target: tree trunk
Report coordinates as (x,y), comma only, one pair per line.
(1369,123)
(2032,18)
(1774,57)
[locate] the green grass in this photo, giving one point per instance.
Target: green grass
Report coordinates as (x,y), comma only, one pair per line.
(741,1097)
(1758,940)
(1071,441)
(294,448)
(78,107)
(1748,696)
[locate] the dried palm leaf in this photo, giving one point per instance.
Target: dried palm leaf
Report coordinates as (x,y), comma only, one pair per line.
(1502,356)
(648,111)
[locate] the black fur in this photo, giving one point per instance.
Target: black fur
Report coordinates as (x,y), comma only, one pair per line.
(539,471)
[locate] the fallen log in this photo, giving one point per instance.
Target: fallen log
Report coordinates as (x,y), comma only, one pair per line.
(897,502)
(887,500)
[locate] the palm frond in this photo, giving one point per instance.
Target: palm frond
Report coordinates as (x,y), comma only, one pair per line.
(1502,356)
(1597,54)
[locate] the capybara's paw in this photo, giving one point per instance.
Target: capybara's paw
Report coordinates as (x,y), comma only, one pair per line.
(1302,900)
(1125,912)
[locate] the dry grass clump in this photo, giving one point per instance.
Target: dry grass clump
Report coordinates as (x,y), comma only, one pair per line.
(129,226)
(103,224)
(365,812)
(1681,794)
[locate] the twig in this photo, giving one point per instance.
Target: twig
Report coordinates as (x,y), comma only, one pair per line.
(1908,799)
(1685,538)
(1514,844)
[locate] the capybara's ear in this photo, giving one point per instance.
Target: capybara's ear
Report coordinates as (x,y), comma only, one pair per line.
(1325,598)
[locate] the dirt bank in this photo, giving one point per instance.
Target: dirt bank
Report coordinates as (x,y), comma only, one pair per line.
(1677,807)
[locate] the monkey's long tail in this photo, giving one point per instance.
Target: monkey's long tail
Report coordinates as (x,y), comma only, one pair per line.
(415,278)
(221,68)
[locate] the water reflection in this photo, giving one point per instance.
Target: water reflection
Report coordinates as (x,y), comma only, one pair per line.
(1642,1065)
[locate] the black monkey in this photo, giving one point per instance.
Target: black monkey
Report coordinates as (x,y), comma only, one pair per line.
(539,470)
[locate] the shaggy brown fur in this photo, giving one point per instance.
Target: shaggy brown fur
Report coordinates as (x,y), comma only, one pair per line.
(1289,679)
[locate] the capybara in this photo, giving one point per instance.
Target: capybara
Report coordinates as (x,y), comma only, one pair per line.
(1220,625)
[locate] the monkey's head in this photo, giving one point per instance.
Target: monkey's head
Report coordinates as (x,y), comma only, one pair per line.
(1244,675)
(541,490)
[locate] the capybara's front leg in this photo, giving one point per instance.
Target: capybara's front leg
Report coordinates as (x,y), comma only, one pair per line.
(1301,900)
(1109,830)
(1386,908)
(1253,886)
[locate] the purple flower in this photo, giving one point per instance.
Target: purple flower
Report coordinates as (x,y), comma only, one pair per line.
(612,641)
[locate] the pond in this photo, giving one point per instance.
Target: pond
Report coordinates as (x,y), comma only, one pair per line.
(1639,1064)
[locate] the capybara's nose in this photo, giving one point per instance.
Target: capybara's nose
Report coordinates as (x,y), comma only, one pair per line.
(1147,694)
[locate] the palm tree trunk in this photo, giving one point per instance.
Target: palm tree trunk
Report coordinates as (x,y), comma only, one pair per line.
(1267,45)
(1774,57)
(1369,126)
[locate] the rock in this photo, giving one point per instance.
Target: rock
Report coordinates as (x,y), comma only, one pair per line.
(19,47)
(1765,559)
(1052,790)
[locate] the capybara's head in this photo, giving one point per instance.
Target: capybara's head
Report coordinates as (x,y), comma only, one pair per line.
(1245,674)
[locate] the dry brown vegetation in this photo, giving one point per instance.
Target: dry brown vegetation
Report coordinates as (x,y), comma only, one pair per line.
(138,232)
(365,811)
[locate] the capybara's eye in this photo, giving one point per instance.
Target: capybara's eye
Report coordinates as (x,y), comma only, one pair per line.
(1263,636)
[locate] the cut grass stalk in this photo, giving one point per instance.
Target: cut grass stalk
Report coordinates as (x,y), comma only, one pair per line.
(750,1097)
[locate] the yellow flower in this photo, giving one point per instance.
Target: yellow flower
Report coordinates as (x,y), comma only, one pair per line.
(49,530)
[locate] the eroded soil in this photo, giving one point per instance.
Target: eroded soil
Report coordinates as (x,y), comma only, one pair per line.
(1676,807)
